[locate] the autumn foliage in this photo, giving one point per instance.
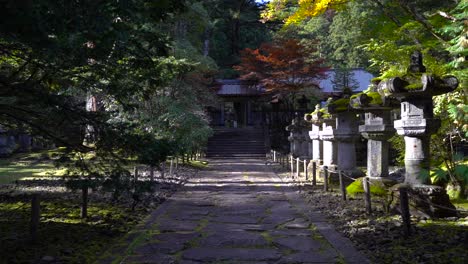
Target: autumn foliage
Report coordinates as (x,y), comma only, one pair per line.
(282,66)
(306,9)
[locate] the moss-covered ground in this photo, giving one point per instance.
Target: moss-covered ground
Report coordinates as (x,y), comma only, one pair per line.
(38,164)
(380,235)
(62,235)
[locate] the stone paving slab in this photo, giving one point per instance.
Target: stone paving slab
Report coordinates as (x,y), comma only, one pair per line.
(239,212)
(234,239)
(231,254)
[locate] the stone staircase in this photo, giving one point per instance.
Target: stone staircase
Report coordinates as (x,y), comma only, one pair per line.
(236,143)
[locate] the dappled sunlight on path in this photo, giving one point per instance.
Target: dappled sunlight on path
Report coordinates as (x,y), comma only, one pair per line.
(238,211)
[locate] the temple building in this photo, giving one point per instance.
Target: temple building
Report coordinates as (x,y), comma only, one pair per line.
(242,102)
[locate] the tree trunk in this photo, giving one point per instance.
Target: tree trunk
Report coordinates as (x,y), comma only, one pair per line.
(206,41)
(84,204)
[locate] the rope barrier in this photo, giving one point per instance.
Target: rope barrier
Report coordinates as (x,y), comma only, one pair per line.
(437,205)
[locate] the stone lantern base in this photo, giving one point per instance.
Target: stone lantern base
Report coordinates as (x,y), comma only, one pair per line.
(428,201)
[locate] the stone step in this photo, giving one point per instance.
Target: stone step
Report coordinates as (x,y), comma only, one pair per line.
(236,142)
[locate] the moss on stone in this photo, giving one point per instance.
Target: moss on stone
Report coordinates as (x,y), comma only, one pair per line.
(376,98)
(340,105)
(414,87)
(376,188)
(325,113)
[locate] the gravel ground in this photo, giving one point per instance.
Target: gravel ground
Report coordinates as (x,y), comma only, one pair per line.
(380,235)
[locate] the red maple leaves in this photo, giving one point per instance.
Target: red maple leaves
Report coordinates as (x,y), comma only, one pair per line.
(282,66)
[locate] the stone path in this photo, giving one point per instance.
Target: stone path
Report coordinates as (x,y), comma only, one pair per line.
(237,212)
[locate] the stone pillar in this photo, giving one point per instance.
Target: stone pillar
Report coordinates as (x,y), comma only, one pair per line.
(346,134)
(304,139)
(327,135)
(377,130)
(297,138)
(309,146)
(292,143)
(317,149)
(417,125)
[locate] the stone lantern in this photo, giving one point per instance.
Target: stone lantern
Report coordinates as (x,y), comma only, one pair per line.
(298,138)
(415,90)
(315,119)
(327,135)
(377,129)
(346,133)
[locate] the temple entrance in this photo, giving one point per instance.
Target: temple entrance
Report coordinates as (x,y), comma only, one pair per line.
(239,106)
(240,110)
(236,114)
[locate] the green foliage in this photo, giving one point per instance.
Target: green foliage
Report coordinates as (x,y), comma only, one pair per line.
(55,57)
(398,149)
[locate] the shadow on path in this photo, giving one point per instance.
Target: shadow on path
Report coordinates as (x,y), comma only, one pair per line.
(239,211)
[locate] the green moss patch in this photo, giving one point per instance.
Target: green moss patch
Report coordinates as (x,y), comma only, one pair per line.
(376,187)
(414,87)
(198,164)
(339,105)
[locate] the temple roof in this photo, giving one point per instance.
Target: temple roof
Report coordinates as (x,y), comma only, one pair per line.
(233,87)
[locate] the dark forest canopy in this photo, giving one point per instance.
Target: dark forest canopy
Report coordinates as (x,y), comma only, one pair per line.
(149,63)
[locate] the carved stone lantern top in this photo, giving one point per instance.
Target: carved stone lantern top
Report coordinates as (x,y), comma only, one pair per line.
(416,83)
(373,100)
(340,104)
(318,115)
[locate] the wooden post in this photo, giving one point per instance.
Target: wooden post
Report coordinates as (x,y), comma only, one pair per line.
(367,195)
(84,201)
(314,173)
(306,170)
(342,185)
(151,173)
(291,161)
(163,169)
(176,162)
(35,217)
(405,212)
(135,174)
(171,168)
(298,168)
(274,156)
(325,178)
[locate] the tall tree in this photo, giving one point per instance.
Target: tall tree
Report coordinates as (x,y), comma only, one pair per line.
(53,54)
(236,26)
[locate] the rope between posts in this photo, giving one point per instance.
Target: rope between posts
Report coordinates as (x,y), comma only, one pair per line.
(437,205)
